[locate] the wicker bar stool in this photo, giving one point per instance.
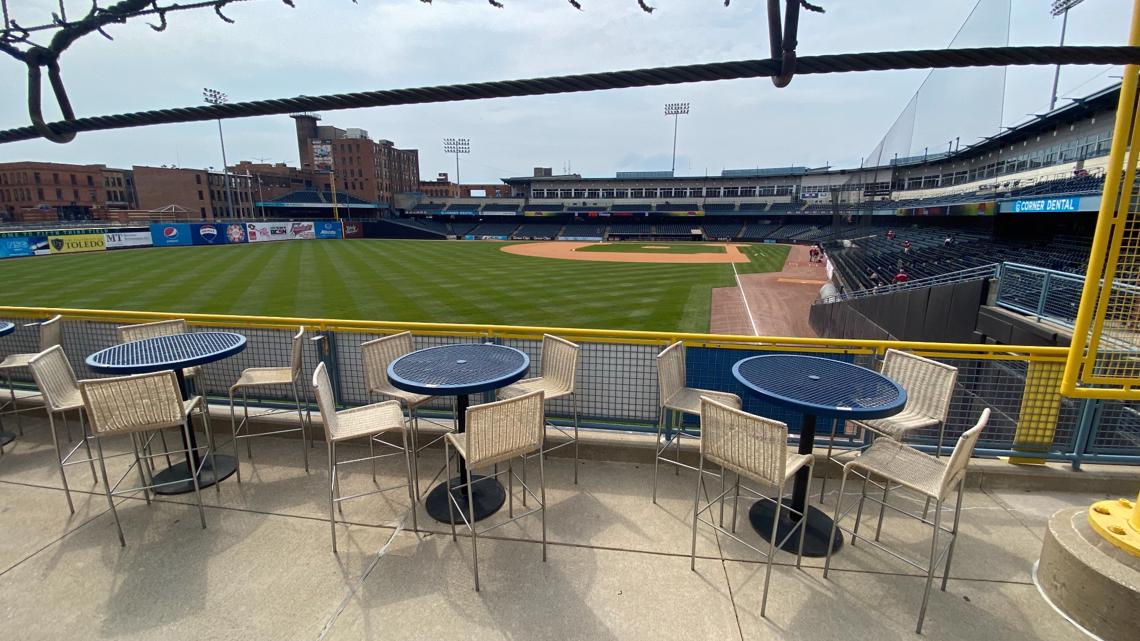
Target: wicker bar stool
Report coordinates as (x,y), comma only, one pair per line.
(677,400)
(929,388)
(50,334)
(498,433)
(369,421)
(376,356)
(556,379)
(129,333)
(56,380)
(757,449)
(930,476)
(255,377)
(134,405)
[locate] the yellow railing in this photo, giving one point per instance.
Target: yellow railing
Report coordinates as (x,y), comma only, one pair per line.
(779,343)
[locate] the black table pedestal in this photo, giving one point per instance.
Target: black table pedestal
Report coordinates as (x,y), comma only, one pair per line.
(818,528)
(6,437)
(488,493)
(179,476)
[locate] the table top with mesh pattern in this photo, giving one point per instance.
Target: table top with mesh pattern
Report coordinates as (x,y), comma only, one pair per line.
(454,370)
(177,351)
(7,328)
(821,386)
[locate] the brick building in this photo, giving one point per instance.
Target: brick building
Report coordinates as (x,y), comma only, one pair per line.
(271,181)
(45,191)
(119,188)
(441,187)
(197,190)
(374,170)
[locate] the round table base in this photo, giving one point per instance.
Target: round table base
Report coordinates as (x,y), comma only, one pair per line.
(179,478)
(818,528)
(6,438)
(489,497)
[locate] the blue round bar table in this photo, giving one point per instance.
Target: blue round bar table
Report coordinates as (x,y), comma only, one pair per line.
(459,371)
(175,352)
(6,437)
(816,387)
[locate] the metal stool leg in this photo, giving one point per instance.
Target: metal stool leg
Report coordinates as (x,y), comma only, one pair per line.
(301,422)
(59,461)
(657,449)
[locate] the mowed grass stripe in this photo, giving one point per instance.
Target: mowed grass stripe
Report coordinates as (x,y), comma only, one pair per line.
(432,281)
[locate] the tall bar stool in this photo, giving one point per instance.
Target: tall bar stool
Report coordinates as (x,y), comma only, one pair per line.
(56,381)
(929,389)
(134,405)
(50,335)
(254,377)
(376,356)
(676,401)
(756,448)
(129,333)
(498,433)
(556,380)
(369,421)
(929,476)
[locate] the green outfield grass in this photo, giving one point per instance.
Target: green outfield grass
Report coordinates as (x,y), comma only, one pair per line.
(654,248)
(393,280)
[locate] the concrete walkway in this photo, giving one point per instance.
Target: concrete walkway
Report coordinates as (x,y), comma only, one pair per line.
(618,564)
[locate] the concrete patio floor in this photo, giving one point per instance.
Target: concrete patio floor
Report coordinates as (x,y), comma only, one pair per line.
(618,565)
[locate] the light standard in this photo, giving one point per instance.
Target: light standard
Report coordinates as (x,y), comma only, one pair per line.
(1060,8)
(675,109)
(215,97)
(456,146)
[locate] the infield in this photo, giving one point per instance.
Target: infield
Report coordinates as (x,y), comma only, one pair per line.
(672,248)
(394,280)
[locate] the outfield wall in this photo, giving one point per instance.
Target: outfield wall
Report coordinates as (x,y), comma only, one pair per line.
(71,241)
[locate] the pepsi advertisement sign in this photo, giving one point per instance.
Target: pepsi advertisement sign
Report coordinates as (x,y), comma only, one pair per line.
(170,234)
(329,229)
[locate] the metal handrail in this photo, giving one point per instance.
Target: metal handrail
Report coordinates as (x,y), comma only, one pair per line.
(960,276)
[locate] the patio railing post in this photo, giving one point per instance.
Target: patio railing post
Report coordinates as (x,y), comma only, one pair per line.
(1044,294)
(326,353)
(1087,420)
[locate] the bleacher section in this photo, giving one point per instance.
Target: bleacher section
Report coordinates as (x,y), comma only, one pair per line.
(676,229)
(621,230)
(583,230)
(678,207)
(462,229)
(715,231)
(537,231)
(428,208)
(503,230)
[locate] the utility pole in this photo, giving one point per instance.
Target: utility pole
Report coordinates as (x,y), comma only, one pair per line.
(456,146)
(1060,8)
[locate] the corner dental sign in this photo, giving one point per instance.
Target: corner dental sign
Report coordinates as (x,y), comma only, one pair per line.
(1046,205)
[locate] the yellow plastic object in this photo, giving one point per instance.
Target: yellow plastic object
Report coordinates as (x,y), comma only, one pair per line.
(1118,522)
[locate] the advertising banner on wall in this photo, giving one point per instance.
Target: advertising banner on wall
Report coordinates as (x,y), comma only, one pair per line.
(322,156)
(328,229)
(168,234)
(122,240)
(353,230)
(261,232)
(965,209)
(217,234)
(16,246)
(76,243)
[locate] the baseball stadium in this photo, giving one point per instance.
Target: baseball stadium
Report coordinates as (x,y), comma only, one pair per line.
(757,403)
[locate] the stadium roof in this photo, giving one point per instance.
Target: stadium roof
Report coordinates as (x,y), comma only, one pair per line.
(311,199)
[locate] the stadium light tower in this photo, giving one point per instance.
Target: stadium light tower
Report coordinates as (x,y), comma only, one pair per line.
(456,146)
(1060,8)
(675,109)
(215,97)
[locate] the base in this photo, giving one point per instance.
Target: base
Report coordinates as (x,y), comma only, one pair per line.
(818,528)
(488,493)
(6,438)
(179,477)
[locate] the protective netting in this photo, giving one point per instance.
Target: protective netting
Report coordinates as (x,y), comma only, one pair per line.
(952,107)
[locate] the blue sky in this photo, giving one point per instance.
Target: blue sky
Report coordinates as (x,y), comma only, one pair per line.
(327,46)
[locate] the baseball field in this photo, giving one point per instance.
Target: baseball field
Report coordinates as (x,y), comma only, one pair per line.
(398,280)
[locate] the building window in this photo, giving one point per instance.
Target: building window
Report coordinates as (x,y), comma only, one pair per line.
(39,192)
(55,178)
(58,193)
(197,179)
(75,193)
(90,181)
(200,194)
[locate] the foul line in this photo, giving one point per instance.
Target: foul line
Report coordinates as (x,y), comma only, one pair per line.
(747,307)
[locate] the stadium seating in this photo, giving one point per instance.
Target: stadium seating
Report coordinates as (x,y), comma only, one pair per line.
(432,208)
(720,207)
(500,207)
(722,230)
(631,229)
(494,229)
(583,230)
(676,229)
(678,207)
(546,231)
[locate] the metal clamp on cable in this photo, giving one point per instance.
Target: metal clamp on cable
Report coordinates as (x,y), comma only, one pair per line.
(39,57)
(783,39)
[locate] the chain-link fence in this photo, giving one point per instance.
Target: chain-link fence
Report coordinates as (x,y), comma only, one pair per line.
(617,376)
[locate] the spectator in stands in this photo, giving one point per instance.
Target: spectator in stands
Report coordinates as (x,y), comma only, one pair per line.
(890,234)
(901,277)
(874,277)
(949,240)
(813,254)
(906,246)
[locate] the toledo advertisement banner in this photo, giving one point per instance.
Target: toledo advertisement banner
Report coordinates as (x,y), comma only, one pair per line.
(76,243)
(219,234)
(329,229)
(123,240)
(353,230)
(262,232)
(168,234)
